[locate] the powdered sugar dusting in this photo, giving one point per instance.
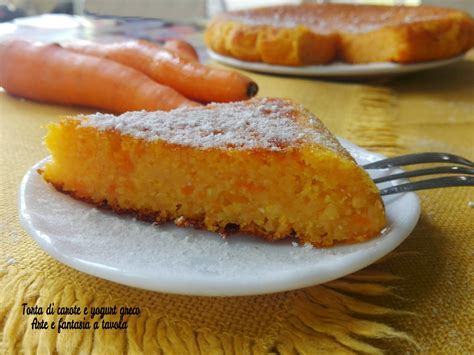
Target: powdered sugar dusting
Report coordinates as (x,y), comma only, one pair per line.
(273,124)
(336,18)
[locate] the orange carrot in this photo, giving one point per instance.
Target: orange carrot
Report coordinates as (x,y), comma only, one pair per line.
(192,79)
(47,72)
(182,48)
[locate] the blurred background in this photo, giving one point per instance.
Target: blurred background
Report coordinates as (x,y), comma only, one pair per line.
(174,9)
(153,20)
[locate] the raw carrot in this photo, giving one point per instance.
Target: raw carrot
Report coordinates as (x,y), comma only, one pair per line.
(47,72)
(182,48)
(192,79)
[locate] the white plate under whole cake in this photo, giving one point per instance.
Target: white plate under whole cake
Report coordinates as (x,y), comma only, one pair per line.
(336,69)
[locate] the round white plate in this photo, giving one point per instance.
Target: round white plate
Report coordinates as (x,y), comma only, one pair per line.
(337,69)
(193,262)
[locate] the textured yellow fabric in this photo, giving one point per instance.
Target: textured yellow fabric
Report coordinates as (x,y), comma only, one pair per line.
(430,275)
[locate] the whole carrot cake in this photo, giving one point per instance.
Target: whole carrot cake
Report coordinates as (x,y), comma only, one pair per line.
(321,33)
(266,167)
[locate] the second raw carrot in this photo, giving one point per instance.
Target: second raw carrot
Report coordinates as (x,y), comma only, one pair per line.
(192,79)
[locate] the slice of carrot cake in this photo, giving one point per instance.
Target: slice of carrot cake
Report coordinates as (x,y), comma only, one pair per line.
(266,167)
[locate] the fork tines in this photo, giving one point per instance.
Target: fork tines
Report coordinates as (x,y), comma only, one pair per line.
(466,168)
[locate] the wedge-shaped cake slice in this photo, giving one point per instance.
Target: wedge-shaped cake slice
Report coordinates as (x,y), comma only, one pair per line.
(265,167)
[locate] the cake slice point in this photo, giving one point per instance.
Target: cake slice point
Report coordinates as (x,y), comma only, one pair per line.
(265,167)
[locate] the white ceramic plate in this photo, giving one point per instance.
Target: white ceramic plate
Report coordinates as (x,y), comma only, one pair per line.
(338,69)
(187,261)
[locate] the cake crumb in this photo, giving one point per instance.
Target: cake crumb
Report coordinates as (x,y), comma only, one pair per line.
(295,244)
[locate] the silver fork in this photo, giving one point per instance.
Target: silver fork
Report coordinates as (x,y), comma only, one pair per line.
(464,167)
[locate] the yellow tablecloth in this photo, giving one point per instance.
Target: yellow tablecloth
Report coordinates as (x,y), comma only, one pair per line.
(433,296)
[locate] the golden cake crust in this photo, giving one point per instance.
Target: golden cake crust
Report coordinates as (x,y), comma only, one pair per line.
(321,33)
